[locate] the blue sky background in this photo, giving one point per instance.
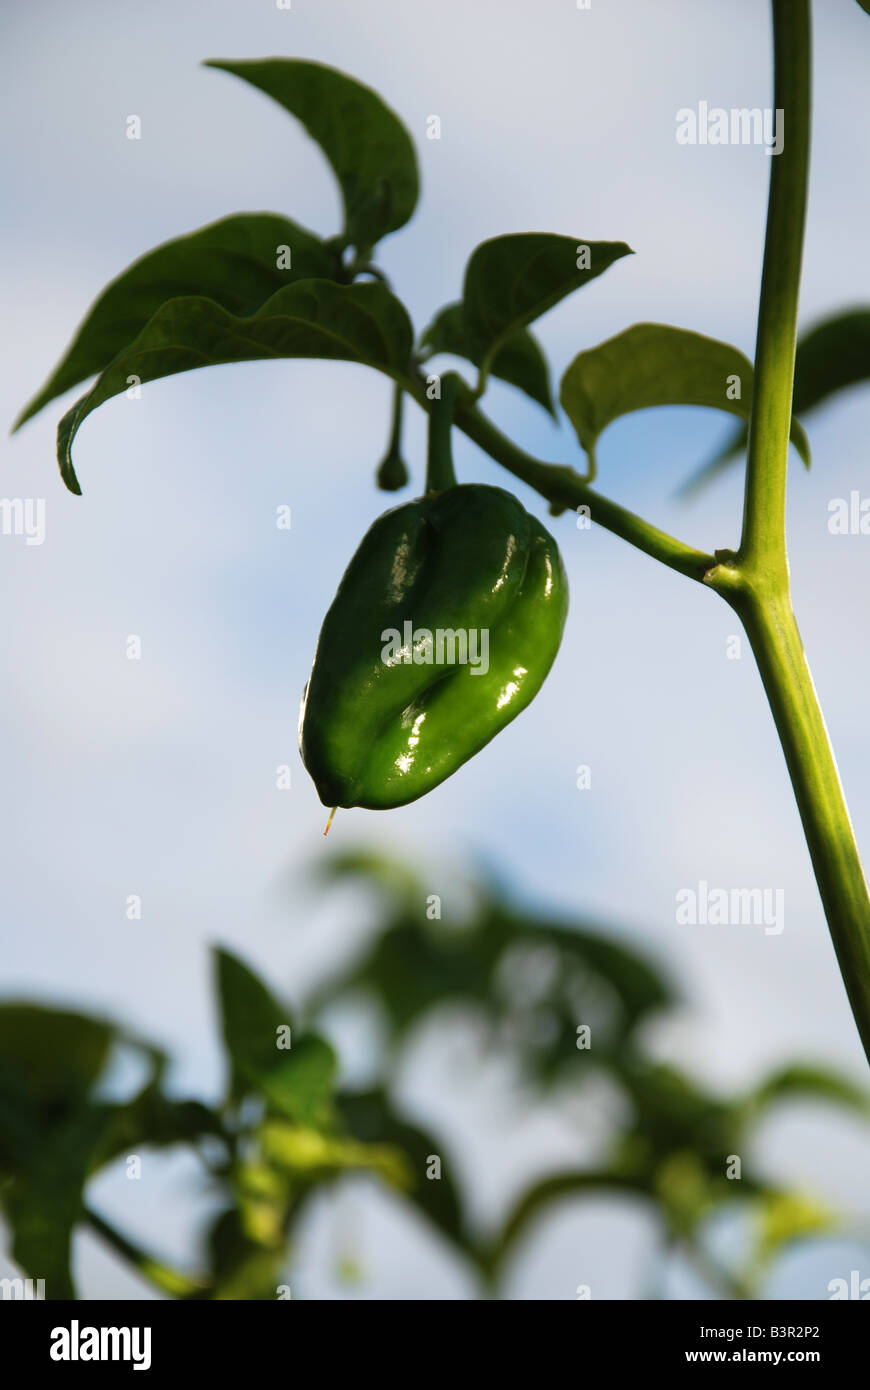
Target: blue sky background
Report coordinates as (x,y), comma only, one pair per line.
(157,777)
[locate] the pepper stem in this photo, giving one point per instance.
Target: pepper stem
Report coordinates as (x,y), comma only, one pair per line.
(392,473)
(329,822)
(439,463)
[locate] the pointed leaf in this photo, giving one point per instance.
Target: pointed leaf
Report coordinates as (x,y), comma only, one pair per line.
(250,1017)
(519,361)
(296,1080)
(810,1082)
(831,356)
(653,364)
(234,262)
(314,318)
(367,145)
(512,280)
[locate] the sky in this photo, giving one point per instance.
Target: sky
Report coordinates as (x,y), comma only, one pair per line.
(157,777)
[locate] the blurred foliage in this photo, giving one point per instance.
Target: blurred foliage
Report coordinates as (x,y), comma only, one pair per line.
(285,1129)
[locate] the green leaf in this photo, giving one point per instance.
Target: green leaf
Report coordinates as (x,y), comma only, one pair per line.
(520,361)
(233,262)
(829,357)
(250,1016)
(638,983)
(810,1082)
(865,5)
(556,1188)
(653,364)
(44,1202)
(369,1116)
(50,1061)
(299,1082)
(512,280)
(313,318)
(367,145)
(51,1057)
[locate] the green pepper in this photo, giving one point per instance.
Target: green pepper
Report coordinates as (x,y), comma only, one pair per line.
(445,624)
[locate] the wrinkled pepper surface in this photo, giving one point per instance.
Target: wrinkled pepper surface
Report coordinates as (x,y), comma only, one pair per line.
(445,624)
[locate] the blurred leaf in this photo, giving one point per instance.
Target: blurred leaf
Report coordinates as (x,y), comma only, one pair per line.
(299,1083)
(653,364)
(395,879)
(54,1134)
(155,1120)
(558,1187)
(242,1268)
(51,1057)
(43,1201)
(251,1018)
(683,1188)
(673,1114)
(512,280)
(369,1115)
(486,963)
(310,1154)
(313,318)
(829,357)
(804,1081)
(233,262)
(832,355)
(640,985)
(520,361)
(786,1217)
(370,150)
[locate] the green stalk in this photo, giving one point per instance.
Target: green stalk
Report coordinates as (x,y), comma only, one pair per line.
(160,1275)
(755,581)
(763,540)
(776,643)
(563,488)
(439,462)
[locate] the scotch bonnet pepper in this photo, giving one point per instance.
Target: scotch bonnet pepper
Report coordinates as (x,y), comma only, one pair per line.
(445,624)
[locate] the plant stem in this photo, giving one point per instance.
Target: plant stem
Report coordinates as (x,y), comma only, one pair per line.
(776,644)
(763,540)
(439,463)
(162,1276)
(755,580)
(564,488)
(728,1285)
